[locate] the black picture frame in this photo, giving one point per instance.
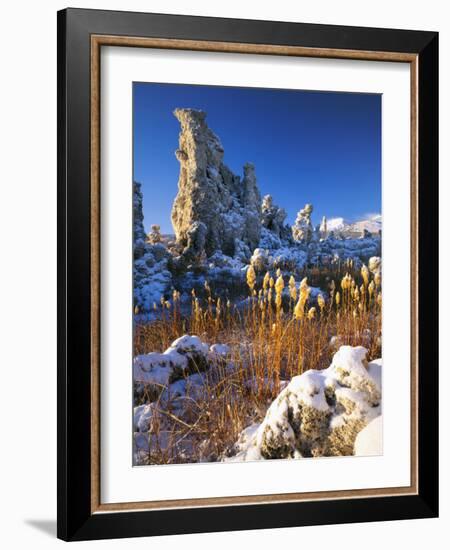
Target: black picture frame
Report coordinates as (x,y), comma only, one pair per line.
(75,518)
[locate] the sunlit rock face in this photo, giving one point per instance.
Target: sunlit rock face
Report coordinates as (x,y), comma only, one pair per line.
(214,210)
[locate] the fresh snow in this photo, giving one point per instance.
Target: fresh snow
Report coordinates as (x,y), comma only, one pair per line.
(369,441)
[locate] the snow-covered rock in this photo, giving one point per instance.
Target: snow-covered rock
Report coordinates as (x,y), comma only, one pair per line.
(154,237)
(142,417)
(302,230)
(269,240)
(333,250)
(319,413)
(374,264)
(289,259)
(261,259)
(369,441)
(186,357)
(273,217)
(187,354)
(151,277)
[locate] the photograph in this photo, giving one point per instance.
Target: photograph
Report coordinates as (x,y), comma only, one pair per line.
(257,274)
(247,289)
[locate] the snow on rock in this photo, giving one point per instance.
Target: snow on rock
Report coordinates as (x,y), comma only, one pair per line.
(331,250)
(269,240)
(182,363)
(220,349)
(188,343)
(289,258)
(374,264)
(302,230)
(151,278)
(285,258)
(319,413)
(143,417)
(187,354)
(369,441)
(273,217)
(261,259)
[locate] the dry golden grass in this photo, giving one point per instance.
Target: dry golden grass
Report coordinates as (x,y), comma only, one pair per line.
(273,336)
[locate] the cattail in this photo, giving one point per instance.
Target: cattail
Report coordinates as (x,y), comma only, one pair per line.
(167,304)
(266,280)
(292,288)
(155,307)
(304,290)
(228,303)
(379,299)
(136,310)
(278,273)
(321,302)
(274,328)
(346,282)
(299,309)
(271,282)
(193,293)
(162,300)
(338,298)
(377,279)
(365,274)
(207,287)
(371,288)
(279,285)
(311,313)
(356,294)
(251,277)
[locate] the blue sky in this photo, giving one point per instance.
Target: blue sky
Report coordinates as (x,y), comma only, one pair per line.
(317,147)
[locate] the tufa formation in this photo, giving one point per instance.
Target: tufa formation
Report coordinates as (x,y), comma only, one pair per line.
(214,210)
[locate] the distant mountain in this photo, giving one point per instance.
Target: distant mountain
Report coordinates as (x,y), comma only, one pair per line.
(336,224)
(353,229)
(372,224)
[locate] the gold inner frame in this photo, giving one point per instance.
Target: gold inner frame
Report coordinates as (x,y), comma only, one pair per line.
(97,41)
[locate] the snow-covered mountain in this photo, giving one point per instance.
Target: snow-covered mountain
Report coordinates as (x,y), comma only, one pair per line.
(336,224)
(373,224)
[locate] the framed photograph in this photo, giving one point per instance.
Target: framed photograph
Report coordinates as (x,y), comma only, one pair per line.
(247,259)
